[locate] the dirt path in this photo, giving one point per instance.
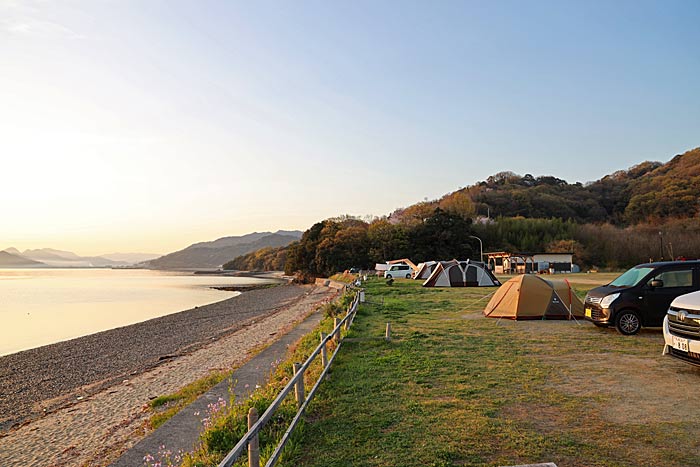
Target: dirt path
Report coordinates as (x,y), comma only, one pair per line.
(99,427)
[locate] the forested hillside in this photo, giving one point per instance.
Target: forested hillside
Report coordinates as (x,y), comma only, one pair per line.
(649,192)
(649,211)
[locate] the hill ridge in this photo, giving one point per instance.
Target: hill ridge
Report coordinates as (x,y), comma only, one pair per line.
(648,192)
(215,253)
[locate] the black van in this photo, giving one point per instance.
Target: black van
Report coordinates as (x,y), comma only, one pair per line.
(642,295)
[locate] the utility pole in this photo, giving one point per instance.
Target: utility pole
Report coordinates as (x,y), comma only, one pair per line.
(481,247)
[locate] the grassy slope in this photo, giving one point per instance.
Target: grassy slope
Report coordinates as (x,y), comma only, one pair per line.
(230,424)
(457,389)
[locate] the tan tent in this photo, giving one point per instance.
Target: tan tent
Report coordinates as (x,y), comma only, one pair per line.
(531,297)
(461,274)
(404,261)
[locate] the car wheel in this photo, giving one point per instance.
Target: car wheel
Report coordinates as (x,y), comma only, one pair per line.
(388,276)
(408,276)
(628,323)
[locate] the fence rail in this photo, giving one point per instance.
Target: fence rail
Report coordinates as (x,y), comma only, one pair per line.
(250,439)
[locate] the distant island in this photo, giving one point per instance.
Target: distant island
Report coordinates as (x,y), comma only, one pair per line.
(10,260)
(51,258)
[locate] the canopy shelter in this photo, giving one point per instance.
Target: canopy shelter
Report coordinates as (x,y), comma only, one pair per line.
(381,267)
(531,297)
(404,261)
(461,274)
(425,270)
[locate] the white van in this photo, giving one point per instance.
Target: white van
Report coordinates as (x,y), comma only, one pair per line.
(398,270)
(682,328)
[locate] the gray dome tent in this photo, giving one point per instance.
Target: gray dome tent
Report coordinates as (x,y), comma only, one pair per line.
(461,274)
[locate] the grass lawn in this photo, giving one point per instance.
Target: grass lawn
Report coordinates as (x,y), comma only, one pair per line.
(454,388)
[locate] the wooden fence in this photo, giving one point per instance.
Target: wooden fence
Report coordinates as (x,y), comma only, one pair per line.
(255,423)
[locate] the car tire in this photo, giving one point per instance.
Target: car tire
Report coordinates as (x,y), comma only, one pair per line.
(388,276)
(628,323)
(408,276)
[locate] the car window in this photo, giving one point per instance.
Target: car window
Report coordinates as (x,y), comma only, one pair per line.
(678,278)
(631,277)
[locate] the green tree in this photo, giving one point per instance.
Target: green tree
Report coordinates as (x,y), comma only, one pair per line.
(442,236)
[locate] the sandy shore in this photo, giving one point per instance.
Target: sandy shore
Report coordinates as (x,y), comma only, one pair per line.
(81,402)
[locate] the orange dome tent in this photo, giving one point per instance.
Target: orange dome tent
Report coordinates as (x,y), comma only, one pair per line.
(531,297)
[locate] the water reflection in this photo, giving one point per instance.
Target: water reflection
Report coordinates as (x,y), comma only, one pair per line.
(42,306)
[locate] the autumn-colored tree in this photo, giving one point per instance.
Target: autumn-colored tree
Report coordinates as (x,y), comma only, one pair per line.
(458,203)
(414,214)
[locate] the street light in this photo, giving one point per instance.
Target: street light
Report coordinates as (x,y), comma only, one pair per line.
(481,247)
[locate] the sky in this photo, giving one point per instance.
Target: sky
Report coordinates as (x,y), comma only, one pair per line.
(148,125)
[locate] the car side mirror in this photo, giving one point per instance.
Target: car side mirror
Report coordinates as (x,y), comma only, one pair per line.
(656,283)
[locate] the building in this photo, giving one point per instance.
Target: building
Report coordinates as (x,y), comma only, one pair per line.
(504,262)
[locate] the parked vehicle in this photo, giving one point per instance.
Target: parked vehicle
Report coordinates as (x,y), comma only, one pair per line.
(398,270)
(682,329)
(641,296)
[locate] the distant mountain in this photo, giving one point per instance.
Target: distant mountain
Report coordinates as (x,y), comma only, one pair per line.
(215,253)
(50,254)
(68,259)
(131,258)
(231,241)
(9,260)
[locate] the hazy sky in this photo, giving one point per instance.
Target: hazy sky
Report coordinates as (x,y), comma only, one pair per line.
(148,125)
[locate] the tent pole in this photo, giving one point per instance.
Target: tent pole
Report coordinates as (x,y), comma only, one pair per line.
(571,303)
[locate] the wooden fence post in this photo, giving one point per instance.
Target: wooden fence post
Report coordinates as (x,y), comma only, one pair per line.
(324,354)
(299,386)
(387,334)
(347,321)
(254,443)
(336,336)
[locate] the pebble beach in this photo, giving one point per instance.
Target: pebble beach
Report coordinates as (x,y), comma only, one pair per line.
(54,398)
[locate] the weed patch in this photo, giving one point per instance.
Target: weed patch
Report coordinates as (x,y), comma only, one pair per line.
(166,406)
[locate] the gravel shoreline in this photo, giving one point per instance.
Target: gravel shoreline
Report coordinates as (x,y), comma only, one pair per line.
(44,379)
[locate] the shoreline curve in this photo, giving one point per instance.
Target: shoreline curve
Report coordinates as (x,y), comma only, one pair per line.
(38,381)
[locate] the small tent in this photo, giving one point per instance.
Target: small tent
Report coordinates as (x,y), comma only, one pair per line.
(531,297)
(461,274)
(425,270)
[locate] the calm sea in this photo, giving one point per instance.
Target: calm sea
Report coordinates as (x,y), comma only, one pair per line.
(42,306)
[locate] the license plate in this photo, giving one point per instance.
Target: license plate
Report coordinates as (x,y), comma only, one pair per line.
(589,313)
(679,343)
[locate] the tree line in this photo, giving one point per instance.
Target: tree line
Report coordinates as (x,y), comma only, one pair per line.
(338,244)
(648,212)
